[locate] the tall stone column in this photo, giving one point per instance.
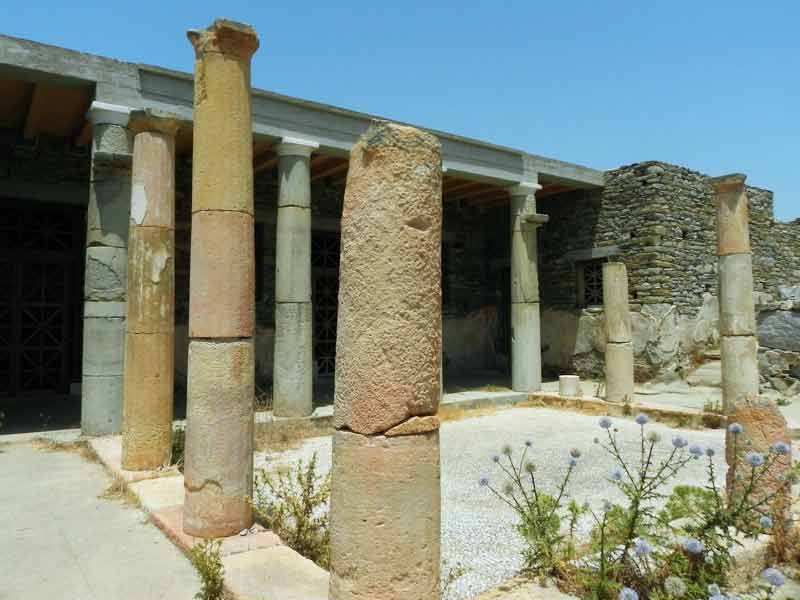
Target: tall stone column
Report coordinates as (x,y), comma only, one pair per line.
(763,423)
(293,376)
(218,467)
(150,323)
(619,344)
(526,344)
(385,501)
(106,265)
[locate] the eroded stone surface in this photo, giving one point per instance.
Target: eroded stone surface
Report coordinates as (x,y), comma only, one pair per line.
(619,372)
(293,366)
(733,226)
(415,425)
(615,302)
(737,314)
(385,517)
(151,280)
(739,368)
(389,321)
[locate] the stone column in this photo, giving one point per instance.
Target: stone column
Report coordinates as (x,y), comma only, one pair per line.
(221,373)
(385,501)
(760,418)
(150,324)
(293,373)
(106,265)
(619,344)
(526,345)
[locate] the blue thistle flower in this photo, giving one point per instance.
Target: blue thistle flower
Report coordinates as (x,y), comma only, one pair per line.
(528,443)
(627,593)
(735,428)
(573,463)
(693,546)
(575,453)
(642,419)
(616,475)
(641,547)
(483,481)
(696,451)
(710,452)
(754,459)
(607,506)
(781,448)
(765,522)
(680,442)
(606,423)
(495,458)
(773,577)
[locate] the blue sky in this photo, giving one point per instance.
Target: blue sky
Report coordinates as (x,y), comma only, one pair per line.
(707,84)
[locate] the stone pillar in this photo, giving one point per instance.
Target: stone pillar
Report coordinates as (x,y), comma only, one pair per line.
(385,500)
(619,344)
(526,346)
(150,323)
(293,373)
(106,265)
(762,422)
(218,467)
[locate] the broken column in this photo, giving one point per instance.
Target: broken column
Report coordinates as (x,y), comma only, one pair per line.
(293,368)
(106,265)
(526,347)
(150,323)
(619,345)
(385,501)
(762,422)
(221,373)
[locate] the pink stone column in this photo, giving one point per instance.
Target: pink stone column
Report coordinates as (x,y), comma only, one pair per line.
(221,374)
(385,500)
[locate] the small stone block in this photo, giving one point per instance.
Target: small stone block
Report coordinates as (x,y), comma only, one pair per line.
(415,425)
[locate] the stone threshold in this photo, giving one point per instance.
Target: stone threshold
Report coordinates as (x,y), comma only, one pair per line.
(258,566)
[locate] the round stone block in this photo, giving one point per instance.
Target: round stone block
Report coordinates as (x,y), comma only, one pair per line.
(103,345)
(619,372)
(526,348)
(385,517)
(524,267)
(147,401)
(616,310)
(106,273)
(293,255)
(293,373)
(390,321)
(739,356)
(733,228)
(221,283)
(107,211)
(737,313)
(569,385)
(153,180)
(218,467)
(151,280)
(294,175)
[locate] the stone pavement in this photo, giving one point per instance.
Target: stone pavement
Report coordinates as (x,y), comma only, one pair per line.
(61,541)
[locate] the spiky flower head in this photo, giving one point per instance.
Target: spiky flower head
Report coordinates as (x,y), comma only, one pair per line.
(575,453)
(642,547)
(483,481)
(530,467)
(642,419)
(675,586)
(710,452)
(765,522)
(627,593)
(606,423)
(693,546)
(754,459)
(680,442)
(653,437)
(735,428)
(508,489)
(528,443)
(572,463)
(773,577)
(495,458)
(506,450)
(616,475)
(781,448)
(607,506)
(695,451)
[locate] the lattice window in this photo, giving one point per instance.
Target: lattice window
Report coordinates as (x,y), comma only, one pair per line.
(325,248)
(590,283)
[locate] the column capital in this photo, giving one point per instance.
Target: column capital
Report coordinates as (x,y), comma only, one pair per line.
(154,120)
(728,183)
(225,37)
(290,146)
(103,113)
(524,188)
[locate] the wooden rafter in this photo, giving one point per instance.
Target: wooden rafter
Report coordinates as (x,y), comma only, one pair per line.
(56,111)
(332,169)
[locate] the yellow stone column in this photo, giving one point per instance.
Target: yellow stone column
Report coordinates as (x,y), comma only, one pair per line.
(218,466)
(150,326)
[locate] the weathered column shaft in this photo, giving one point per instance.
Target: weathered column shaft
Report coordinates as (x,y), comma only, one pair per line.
(106,265)
(619,345)
(385,500)
(526,346)
(150,323)
(293,373)
(221,373)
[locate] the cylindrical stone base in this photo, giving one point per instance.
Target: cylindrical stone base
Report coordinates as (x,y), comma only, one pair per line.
(385,517)
(147,422)
(619,372)
(218,466)
(736,304)
(292,393)
(740,380)
(526,351)
(569,385)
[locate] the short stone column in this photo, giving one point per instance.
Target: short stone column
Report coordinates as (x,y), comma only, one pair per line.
(293,373)
(385,501)
(150,323)
(106,264)
(619,344)
(526,345)
(218,467)
(762,422)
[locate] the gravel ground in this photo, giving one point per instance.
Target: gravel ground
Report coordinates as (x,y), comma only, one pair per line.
(477,528)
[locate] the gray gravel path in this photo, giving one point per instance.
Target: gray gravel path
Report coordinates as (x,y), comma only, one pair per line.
(477,529)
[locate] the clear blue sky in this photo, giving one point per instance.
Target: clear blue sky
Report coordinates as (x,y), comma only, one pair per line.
(709,84)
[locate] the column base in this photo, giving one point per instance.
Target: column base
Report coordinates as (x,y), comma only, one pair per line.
(619,372)
(293,373)
(526,347)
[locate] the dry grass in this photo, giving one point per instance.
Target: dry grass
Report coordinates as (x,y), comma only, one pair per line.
(119,491)
(280,436)
(81,448)
(458,413)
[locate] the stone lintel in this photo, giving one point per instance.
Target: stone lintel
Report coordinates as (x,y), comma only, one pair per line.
(728,183)
(154,120)
(225,37)
(291,146)
(103,113)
